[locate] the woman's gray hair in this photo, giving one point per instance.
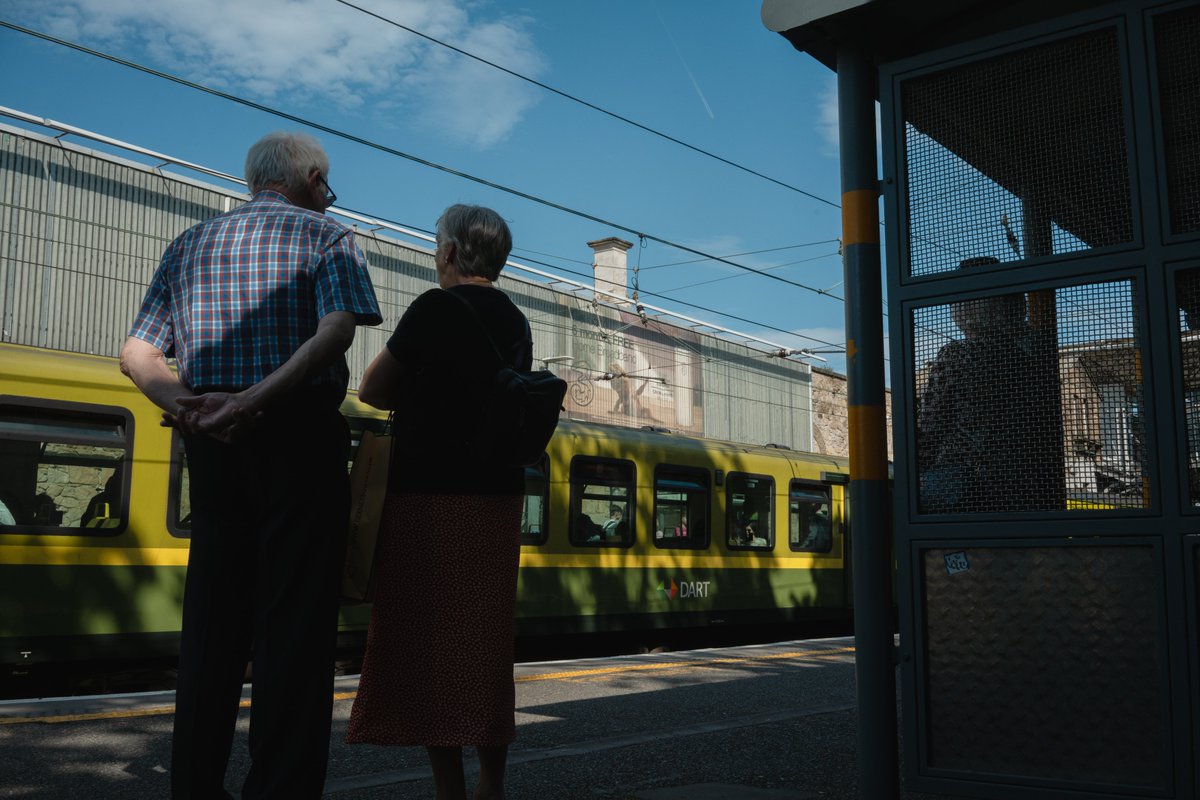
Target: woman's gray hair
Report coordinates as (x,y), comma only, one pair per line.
(481,239)
(284,159)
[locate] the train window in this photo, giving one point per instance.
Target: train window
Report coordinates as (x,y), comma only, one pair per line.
(179,496)
(535,513)
(602,510)
(750,507)
(810,520)
(63,467)
(681,503)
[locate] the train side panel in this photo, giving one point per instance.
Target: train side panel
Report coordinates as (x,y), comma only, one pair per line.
(75,587)
(714,533)
(644,582)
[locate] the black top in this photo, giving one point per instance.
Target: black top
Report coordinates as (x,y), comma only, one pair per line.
(447,371)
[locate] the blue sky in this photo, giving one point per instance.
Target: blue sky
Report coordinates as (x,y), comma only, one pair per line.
(704,71)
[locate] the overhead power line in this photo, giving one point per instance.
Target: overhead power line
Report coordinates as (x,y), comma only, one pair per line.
(371,223)
(777,266)
(586,104)
(839,348)
(747,253)
(401,154)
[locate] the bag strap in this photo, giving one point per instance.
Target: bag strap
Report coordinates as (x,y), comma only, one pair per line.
(487,334)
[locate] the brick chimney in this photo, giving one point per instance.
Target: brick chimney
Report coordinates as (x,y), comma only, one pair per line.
(610,265)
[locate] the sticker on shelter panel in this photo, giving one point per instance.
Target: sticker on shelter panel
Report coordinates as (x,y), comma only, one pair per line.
(956,562)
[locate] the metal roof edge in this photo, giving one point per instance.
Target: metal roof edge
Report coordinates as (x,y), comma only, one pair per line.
(785,15)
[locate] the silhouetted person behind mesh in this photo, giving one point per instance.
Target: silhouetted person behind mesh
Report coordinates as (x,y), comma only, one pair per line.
(985,440)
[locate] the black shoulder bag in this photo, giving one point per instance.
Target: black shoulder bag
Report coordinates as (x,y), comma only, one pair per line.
(524,406)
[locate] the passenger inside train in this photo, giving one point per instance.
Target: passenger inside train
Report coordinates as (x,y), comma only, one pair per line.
(100,511)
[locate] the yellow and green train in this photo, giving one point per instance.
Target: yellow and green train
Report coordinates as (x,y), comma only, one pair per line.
(623,529)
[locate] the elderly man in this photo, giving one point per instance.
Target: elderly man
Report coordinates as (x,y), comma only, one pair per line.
(258,306)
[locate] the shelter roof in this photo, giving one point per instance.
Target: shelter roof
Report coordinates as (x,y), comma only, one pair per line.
(894,29)
(1021,121)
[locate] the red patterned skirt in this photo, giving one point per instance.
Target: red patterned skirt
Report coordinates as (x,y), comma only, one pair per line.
(438,670)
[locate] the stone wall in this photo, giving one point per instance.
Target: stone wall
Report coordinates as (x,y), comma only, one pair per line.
(71,488)
(831,430)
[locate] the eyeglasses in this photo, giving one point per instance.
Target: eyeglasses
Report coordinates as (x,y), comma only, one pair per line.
(330,197)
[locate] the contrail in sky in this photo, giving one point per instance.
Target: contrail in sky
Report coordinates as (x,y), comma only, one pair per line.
(707,107)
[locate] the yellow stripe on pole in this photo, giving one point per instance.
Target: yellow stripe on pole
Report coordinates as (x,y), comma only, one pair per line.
(860,217)
(868,443)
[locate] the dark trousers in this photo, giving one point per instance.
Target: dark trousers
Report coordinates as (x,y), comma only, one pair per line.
(268,541)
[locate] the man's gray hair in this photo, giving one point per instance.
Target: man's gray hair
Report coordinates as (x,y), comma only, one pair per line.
(481,239)
(284,160)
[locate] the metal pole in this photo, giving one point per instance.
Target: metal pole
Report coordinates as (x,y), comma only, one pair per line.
(878,768)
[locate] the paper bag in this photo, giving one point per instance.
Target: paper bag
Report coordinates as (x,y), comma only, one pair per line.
(368,486)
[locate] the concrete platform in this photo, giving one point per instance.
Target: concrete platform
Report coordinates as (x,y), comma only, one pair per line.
(772,722)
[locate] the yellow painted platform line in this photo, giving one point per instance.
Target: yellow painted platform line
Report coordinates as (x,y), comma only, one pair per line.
(154,711)
(544,676)
(550,676)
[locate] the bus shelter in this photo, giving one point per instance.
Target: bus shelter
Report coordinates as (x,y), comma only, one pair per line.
(1040,181)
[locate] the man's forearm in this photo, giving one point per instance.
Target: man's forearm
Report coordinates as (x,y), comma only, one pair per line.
(147,367)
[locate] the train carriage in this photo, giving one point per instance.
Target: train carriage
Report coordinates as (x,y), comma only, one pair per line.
(622,529)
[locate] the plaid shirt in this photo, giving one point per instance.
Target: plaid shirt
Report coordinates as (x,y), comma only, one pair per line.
(235,296)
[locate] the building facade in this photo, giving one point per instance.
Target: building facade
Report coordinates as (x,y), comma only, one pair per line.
(84,230)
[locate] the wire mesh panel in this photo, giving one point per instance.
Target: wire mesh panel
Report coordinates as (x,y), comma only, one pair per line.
(1045,662)
(1030,402)
(1017,156)
(1187,291)
(1177,36)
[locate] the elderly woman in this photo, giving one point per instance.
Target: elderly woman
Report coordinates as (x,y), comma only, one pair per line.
(438,665)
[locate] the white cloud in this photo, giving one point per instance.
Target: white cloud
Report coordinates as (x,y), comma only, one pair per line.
(827,118)
(322,51)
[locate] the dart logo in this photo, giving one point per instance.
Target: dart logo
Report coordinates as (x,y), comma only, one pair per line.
(670,589)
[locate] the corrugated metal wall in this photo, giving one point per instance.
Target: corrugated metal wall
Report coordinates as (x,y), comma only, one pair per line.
(83,232)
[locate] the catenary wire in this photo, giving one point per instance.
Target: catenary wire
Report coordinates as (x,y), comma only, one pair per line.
(592,106)
(567,270)
(739,275)
(547,324)
(399,153)
(734,255)
(552,325)
(152,260)
(841,348)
